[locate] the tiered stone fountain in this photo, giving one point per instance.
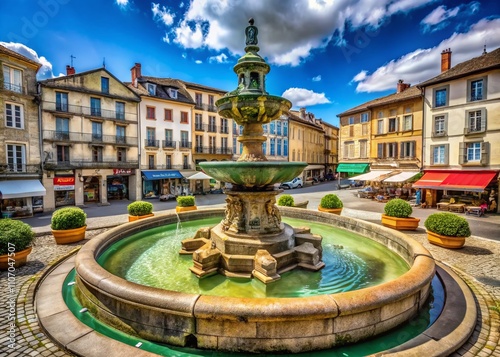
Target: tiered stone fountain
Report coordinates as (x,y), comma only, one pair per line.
(251,240)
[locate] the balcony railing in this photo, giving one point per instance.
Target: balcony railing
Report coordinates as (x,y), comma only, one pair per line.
(224,130)
(168,144)
(200,127)
(65,136)
(439,133)
(6,168)
(185,144)
(166,167)
(13,87)
(213,150)
(150,143)
(89,111)
(206,107)
(105,163)
(212,128)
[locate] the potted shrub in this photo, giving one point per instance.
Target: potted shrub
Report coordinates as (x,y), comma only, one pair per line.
(331,203)
(447,230)
(139,210)
(397,214)
(16,238)
(185,203)
(288,201)
(68,225)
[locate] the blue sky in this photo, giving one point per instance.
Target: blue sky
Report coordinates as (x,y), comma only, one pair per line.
(325,55)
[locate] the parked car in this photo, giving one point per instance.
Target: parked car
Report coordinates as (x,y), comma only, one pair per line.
(296,182)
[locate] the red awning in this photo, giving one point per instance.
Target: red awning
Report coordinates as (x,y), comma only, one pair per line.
(431,180)
(458,181)
(468,181)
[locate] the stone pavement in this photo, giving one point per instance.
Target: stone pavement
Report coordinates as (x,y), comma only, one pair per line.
(477,263)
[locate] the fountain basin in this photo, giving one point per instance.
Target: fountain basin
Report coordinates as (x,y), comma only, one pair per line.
(253,174)
(255,108)
(255,325)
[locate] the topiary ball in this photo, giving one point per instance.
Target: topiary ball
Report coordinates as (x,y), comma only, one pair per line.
(447,224)
(286,200)
(140,208)
(331,201)
(398,207)
(15,234)
(68,218)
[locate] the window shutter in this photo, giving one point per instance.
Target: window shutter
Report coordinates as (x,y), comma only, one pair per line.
(395,146)
(483,119)
(461,153)
(397,124)
(432,154)
(380,151)
(402,151)
(413,145)
(485,149)
(446,153)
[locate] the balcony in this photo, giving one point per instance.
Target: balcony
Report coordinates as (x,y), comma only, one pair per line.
(10,170)
(185,144)
(224,130)
(200,127)
(212,128)
(473,130)
(88,111)
(72,137)
(151,143)
(206,107)
(13,87)
(441,133)
(213,150)
(166,167)
(105,163)
(168,144)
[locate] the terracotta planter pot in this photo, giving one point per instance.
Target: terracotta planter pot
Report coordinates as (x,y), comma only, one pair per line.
(336,211)
(445,241)
(401,224)
(185,209)
(135,218)
(20,259)
(68,236)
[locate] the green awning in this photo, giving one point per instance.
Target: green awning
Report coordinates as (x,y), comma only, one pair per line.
(353,167)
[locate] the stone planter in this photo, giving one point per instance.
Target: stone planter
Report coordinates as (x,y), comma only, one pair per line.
(445,241)
(336,211)
(19,257)
(401,224)
(301,204)
(135,218)
(68,236)
(185,209)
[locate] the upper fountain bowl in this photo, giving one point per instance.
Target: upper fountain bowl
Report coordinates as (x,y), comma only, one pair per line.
(252,108)
(253,174)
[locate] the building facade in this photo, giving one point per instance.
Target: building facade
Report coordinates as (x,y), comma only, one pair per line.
(21,192)
(462,131)
(89,137)
(331,148)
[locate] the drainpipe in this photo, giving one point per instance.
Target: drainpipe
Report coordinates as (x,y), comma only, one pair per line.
(423,131)
(138,190)
(40,135)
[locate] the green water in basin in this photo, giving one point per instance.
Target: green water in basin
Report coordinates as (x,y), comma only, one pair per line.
(352,262)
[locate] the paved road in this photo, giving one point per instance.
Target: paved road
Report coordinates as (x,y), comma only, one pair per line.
(485,227)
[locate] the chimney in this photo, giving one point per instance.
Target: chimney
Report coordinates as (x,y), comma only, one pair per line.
(402,86)
(136,73)
(445,60)
(70,70)
(302,113)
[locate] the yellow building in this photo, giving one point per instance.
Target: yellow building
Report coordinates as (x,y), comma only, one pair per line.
(89,138)
(20,171)
(331,148)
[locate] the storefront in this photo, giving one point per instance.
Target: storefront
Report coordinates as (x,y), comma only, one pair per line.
(349,169)
(118,185)
(64,190)
(17,197)
(156,183)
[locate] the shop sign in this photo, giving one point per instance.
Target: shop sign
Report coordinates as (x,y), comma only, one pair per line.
(64,187)
(123,171)
(64,181)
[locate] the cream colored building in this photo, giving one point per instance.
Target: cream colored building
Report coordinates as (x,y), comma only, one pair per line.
(89,137)
(331,147)
(20,172)
(462,128)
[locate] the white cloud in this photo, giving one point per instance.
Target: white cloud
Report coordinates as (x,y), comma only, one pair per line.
(45,71)
(439,17)
(289,34)
(165,38)
(162,14)
(317,78)
(222,58)
(301,97)
(423,64)
(198,62)
(122,3)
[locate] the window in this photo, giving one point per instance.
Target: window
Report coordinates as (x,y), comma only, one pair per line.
(121,155)
(168,161)
(61,102)
(351,120)
(364,117)
(285,147)
(441,97)
(16,157)
(211,102)
(150,113)
(151,89)
(199,144)
(211,124)
(234,146)
(380,126)
(12,79)
(185,162)
(96,154)
(365,129)
(185,139)
(393,112)
(211,144)
(272,128)
(168,114)
(408,110)
(476,89)
(363,149)
(348,150)
(120,134)
(151,161)
(198,122)
(407,122)
(184,118)
(62,129)
(62,154)
(392,150)
(265,128)
(172,92)
(120,110)
(380,151)
(380,114)
(223,126)
(273,147)
(439,127)
(278,127)
(285,128)
(150,137)
(476,121)
(105,85)
(241,148)
(264,147)
(407,150)
(14,116)
(279,147)
(169,142)
(95,107)
(223,145)
(474,153)
(96,131)
(198,99)
(393,125)
(439,154)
